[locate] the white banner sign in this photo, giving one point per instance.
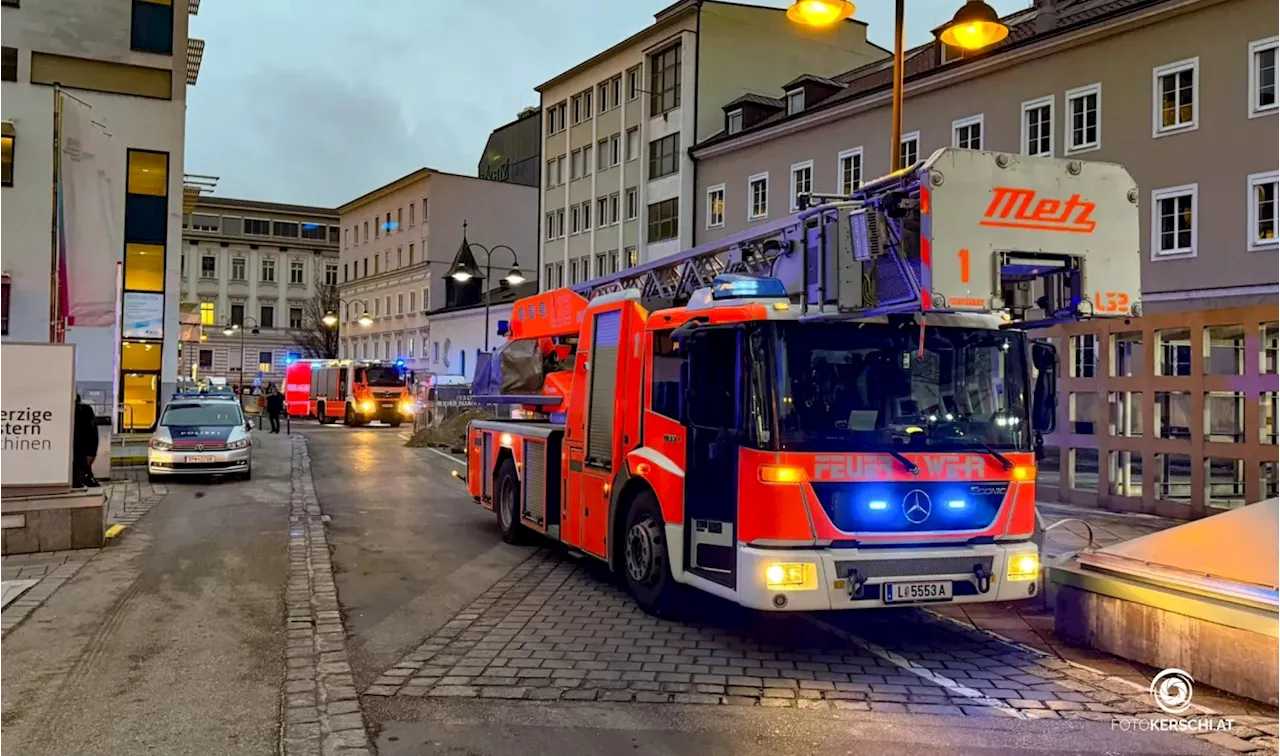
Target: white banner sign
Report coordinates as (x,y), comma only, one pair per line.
(143,315)
(38,397)
(91,236)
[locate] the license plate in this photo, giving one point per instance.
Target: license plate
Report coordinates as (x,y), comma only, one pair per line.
(902,593)
(387,405)
(197,458)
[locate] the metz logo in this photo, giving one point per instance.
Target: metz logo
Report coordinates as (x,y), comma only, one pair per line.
(881,467)
(1021,208)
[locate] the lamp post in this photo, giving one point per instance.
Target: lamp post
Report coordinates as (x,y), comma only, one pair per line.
(462,272)
(975,26)
(229,330)
(330,318)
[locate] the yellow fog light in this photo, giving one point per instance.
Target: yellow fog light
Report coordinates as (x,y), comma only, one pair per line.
(781,474)
(1024,567)
(367,406)
(798,576)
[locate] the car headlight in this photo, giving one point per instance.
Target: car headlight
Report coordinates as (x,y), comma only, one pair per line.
(241,444)
(368,406)
(160,444)
(801,576)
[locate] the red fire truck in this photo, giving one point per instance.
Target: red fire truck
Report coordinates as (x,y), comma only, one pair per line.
(359,391)
(298,400)
(839,409)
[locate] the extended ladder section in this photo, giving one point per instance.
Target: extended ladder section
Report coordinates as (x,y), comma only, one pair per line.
(1041,239)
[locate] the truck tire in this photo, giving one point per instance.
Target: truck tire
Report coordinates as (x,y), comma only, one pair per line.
(320,416)
(394,423)
(506,501)
(644,561)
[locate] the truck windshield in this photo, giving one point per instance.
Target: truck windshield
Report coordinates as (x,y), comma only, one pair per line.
(863,386)
(384,376)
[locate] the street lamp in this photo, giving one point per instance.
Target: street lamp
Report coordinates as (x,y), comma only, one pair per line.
(229,330)
(975,26)
(463,272)
(331,318)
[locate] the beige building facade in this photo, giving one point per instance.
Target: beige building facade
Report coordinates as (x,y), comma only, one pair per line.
(1173,413)
(617,180)
(254,266)
(398,243)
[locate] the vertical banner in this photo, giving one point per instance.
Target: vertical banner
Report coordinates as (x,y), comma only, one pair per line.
(89,238)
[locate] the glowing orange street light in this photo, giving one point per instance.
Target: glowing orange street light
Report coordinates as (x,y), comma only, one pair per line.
(819,13)
(975,26)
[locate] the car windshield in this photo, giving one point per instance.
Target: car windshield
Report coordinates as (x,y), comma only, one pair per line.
(202,413)
(384,376)
(851,386)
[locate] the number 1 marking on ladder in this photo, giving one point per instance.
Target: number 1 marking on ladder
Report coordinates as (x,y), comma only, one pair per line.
(964,265)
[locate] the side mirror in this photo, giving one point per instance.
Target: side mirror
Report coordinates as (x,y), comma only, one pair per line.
(248,425)
(1044,402)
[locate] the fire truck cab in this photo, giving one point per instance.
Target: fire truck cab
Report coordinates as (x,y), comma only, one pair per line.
(357,392)
(848,421)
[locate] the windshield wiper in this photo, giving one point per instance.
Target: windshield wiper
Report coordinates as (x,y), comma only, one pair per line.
(1004,461)
(912,467)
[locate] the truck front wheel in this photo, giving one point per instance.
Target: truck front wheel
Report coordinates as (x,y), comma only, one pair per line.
(506,501)
(644,562)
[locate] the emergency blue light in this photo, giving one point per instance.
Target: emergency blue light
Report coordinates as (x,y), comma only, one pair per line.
(878,505)
(399,363)
(956,504)
(734,286)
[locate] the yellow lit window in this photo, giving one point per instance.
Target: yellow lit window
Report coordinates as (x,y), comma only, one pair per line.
(144,267)
(206,313)
(140,396)
(137,356)
(6,142)
(148,173)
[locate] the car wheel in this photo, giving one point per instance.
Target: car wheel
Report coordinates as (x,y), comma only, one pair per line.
(153,478)
(506,502)
(645,564)
(395,423)
(247,474)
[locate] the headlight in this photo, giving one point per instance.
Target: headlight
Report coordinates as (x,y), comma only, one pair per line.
(406,408)
(241,444)
(160,444)
(1024,567)
(368,406)
(799,576)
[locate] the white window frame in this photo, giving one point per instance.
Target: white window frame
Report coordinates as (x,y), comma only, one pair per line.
(796,168)
(795,101)
(1068,99)
(1025,132)
(964,123)
(1256,179)
(913,136)
(633,203)
(751,208)
(1169,69)
(728,122)
(1255,47)
(1170,192)
(711,191)
(551,227)
(575,221)
(840,158)
(634,154)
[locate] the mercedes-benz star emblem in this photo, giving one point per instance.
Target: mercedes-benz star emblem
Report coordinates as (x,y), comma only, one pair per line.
(199,447)
(916,506)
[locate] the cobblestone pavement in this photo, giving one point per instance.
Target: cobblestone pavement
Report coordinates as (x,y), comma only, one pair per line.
(558,629)
(321,708)
(128,499)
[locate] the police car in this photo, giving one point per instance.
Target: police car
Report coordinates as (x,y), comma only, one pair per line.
(201,434)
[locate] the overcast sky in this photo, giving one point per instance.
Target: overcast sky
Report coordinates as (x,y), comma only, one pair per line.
(319,101)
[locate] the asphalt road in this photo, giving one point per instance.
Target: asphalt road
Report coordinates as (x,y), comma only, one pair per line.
(443,618)
(171,641)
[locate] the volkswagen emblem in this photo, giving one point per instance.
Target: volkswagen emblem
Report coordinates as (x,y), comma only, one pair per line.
(916,506)
(200,447)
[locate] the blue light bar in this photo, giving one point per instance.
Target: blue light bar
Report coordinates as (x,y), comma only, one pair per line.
(399,363)
(878,505)
(956,504)
(733,286)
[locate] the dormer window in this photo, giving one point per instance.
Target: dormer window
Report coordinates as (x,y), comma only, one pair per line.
(734,122)
(795,101)
(950,52)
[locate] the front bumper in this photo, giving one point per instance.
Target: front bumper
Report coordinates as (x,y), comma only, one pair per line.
(880,566)
(170,462)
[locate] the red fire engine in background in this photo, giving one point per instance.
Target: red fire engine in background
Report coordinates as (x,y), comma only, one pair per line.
(839,409)
(352,391)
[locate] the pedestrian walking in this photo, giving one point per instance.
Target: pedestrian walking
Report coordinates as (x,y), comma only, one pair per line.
(84,446)
(275,405)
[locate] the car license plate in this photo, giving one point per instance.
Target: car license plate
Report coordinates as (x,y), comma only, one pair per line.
(387,405)
(197,458)
(902,593)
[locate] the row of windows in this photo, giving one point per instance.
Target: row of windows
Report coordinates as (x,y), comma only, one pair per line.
(231,225)
(581,268)
(266,270)
(404,345)
(664,93)
(609,211)
(266,315)
(1175,217)
(266,359)
(381,263)
(383,225)
(380,307)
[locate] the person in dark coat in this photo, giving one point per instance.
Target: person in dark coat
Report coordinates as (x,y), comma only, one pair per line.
(84,445)
(275,406)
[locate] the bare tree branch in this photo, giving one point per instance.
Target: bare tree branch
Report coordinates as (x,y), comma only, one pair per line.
(316,339)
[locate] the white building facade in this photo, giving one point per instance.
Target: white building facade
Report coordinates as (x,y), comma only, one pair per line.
(129,63)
